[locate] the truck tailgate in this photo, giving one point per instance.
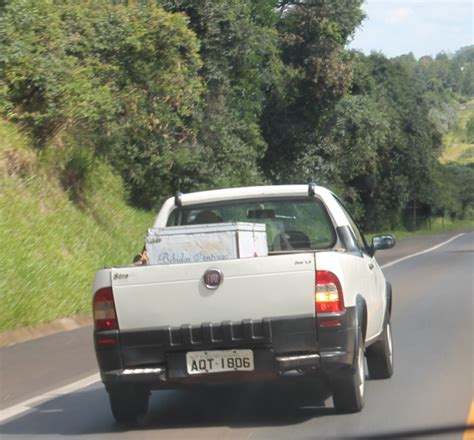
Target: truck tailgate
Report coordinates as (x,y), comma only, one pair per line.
(252,288)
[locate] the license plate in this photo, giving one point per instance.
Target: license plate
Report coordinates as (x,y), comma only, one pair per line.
(218,361)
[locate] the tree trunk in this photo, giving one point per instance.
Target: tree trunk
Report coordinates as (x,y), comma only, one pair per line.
(414,214)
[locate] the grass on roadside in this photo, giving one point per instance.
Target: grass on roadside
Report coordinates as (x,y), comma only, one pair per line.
(438,226)
(50,248)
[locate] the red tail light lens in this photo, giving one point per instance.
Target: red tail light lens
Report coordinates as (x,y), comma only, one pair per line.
(105,317)
(328,297)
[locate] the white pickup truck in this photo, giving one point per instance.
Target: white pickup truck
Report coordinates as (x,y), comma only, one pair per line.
(315,306)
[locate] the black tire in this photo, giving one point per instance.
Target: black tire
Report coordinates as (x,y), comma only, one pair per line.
(349,387)
(380,355)
(128,405)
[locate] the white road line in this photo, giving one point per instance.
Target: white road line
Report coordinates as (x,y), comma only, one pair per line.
(431,249)
(29,404)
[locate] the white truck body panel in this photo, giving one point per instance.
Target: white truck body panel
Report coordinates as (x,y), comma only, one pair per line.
(356,279)
(173,295)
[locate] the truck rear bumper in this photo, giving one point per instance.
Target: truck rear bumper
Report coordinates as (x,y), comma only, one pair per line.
(157,358)
(173,374)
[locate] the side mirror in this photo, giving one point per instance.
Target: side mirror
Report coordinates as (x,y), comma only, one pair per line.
(380,242)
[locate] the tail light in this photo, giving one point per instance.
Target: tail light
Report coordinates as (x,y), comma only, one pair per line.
(328,297)
(105,317)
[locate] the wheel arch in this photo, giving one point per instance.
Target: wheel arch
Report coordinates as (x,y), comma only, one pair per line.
(388,292)
(361,314)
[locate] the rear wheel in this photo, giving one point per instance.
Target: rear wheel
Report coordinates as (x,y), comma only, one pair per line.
(380,355)
(129,404)
(348,388)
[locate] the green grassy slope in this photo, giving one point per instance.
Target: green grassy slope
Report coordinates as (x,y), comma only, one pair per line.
(456,146)
(50,247)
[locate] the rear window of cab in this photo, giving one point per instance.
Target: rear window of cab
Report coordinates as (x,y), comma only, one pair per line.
(291,224)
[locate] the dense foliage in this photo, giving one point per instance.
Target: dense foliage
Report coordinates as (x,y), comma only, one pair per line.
(121,81)
(179,94)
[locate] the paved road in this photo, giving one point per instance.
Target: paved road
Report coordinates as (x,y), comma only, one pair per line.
(432,386)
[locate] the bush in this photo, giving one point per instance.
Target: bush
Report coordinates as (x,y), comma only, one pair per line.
(122,81)
(470,130)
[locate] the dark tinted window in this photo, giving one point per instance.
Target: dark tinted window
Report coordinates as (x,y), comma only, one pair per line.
(291,224)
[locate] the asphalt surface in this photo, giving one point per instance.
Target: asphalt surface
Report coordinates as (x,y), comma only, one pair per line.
(432,385)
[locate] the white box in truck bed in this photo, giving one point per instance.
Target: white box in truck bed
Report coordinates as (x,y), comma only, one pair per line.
(206,243)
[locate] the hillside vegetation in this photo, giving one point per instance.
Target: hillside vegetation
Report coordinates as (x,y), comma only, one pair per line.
(109,106)
(50,246)
(458,145)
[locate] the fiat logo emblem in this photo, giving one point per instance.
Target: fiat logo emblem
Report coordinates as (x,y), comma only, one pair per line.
(213,278)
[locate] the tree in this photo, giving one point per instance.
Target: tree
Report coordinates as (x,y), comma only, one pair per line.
(240,63)
(317,73)
(121,81)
